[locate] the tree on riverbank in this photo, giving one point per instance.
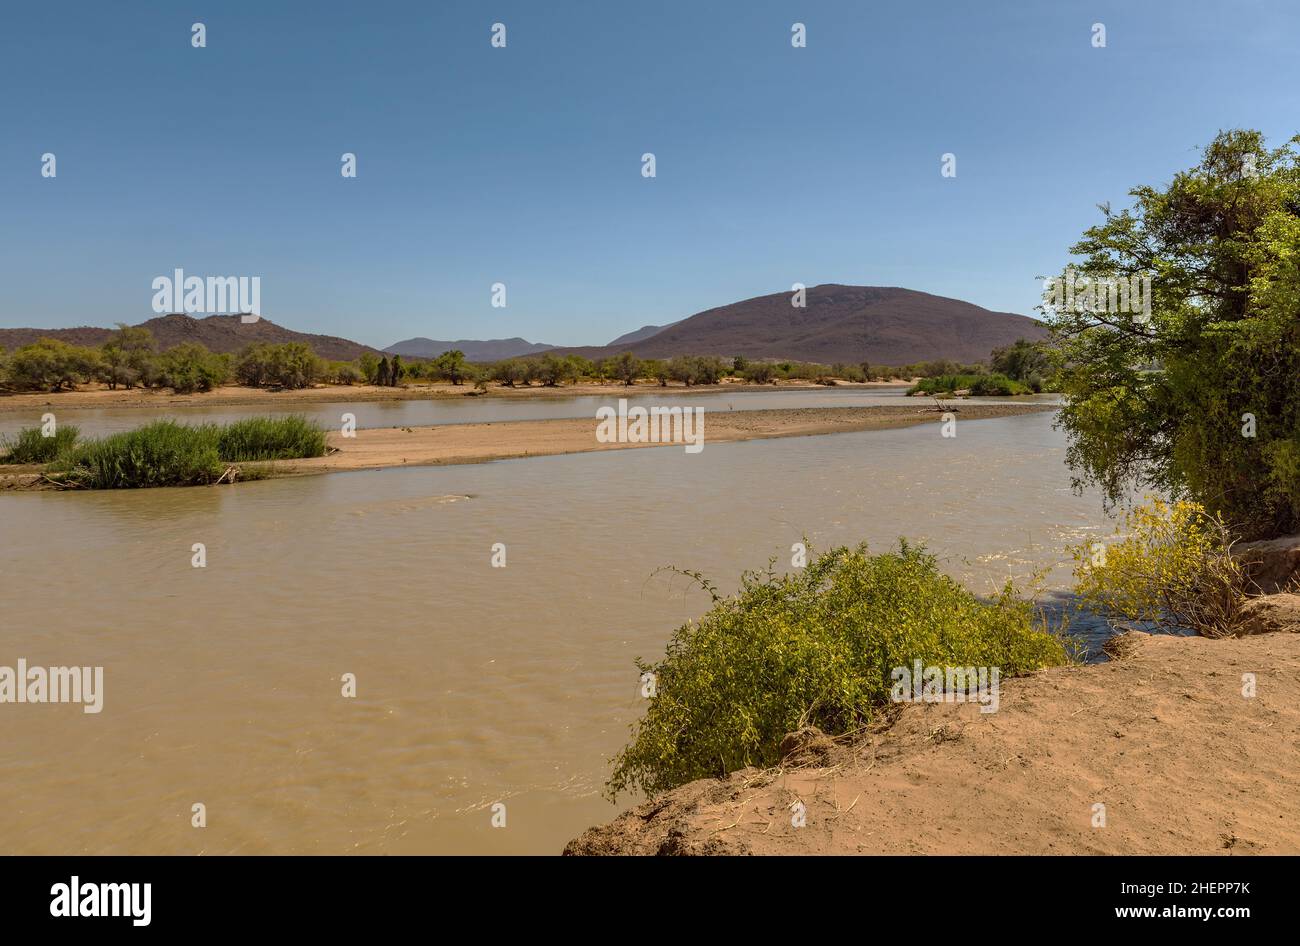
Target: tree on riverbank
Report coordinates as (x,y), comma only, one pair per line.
(1197,394)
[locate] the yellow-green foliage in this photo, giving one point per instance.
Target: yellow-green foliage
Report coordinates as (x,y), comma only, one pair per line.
(816,646)
(1170,564)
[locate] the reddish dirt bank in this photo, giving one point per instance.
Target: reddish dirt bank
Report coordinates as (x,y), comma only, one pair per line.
(1163,737)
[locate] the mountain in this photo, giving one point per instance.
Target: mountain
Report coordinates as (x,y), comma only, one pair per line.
(220,333)
(882,325)
(491,350)
(641,334)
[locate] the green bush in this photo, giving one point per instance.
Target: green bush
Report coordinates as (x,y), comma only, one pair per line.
(270,438)
(32,446)
(980,385)
(997,385)
(1170,564)
(813,647)
(943,384)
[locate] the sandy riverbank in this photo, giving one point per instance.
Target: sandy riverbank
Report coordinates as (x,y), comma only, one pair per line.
(477,443)
(1163,737)
(98,396)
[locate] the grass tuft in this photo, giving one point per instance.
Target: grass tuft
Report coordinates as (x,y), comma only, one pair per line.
(32,446)
(271,438)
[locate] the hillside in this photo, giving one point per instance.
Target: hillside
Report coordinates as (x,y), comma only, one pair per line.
(220,333)
(882,325)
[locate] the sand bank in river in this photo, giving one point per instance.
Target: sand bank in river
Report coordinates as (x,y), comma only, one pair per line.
(377,448)
(1162,737)
(476,443)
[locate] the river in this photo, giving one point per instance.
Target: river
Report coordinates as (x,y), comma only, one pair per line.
(475,685)
(97,421)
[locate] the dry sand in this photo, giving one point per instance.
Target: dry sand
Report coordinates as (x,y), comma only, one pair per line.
(476,443)
(1163,737)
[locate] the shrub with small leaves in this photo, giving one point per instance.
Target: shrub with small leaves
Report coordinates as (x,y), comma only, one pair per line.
(815,647)
(1171,564)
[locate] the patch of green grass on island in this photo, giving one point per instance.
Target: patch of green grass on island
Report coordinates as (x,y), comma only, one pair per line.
(165,453)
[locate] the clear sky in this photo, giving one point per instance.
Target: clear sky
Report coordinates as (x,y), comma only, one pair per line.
(522,165)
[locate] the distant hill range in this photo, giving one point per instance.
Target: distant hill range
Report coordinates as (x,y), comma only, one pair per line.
(881,325)
(219,333)
(852,324)
(493,349)
(641,334)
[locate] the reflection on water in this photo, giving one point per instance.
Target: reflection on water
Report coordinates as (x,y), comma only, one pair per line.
(475,684)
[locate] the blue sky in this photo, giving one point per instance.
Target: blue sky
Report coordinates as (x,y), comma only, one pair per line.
(522,165)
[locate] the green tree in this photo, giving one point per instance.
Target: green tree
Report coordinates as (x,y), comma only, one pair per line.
(451,366)
(292,365)
(509,372)
(129,357)
(656,368)
(52,365)
(626,368)
(369,365)
(553,370)
(190,367)
(709,369)
(683,369)
(1199,397)
(1021,360)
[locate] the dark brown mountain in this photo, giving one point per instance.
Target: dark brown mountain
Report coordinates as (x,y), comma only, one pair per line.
(220,333)
(882,325)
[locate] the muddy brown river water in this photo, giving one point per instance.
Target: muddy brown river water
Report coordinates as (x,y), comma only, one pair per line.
(475,685)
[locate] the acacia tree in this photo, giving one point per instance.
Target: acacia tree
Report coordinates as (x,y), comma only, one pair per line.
(1200,396)
(51,365)
(626,368)
(451,365)
(129,357)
